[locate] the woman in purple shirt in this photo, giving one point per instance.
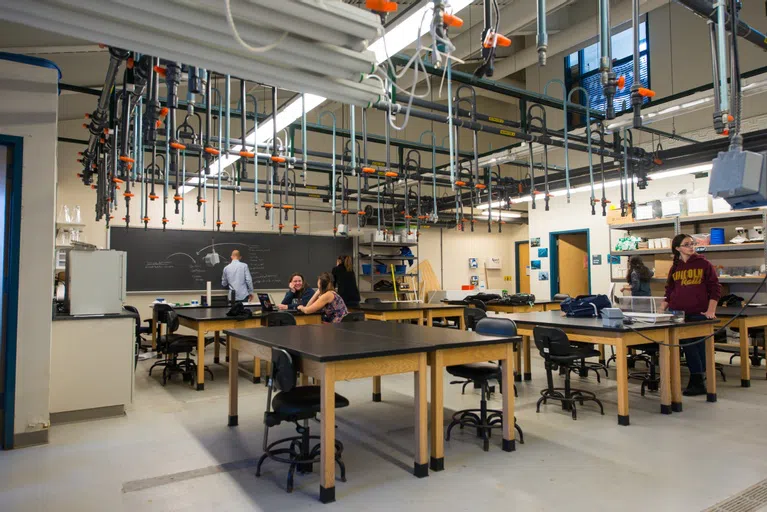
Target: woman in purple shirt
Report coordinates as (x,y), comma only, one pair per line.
(326,301)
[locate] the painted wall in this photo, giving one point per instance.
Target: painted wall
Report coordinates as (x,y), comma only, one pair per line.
(29,109)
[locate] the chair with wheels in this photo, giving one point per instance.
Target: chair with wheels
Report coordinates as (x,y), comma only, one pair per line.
(141,330)
(295,405)
(478,304)
(358,316)
(650,378)
(471,317)
(484,420)
(585,366)
(173,346)
(557,351)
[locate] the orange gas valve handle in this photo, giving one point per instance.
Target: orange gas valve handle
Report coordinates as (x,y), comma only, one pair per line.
(128,194)
(202,200)
(177,197)
(93,187)
(408,216)
(235,223)
(159,70)
(281,226)
(480,186)
(344,212)
(368,170)
(130,63)
(157,123)
(164,111)
(296,226)
(85,125)
(278,159)
(218,223)
(212,151)
(87,116)
(268,205)
(460,183)
(165,221)
(451,20)
(153,196)
(391,174)
(646,93)
(177,145)
(117,180)
(381,5)
(621,82)
(657,161)
(127,159)
(247,154)
(423,217)
(145,219)
(730,118)
(287,207)
(361,213)
(493,39)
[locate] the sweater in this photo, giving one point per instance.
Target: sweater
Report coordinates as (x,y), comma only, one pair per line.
(346,285)
(640,288)
(691,285)
(291,299)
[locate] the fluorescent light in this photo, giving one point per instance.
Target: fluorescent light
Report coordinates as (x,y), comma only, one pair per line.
(396,39)
(494,204)
(504,215)
(680,172)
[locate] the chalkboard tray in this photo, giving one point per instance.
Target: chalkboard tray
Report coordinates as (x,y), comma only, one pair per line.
(184,260)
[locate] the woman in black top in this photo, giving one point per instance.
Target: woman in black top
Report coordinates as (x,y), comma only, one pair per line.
(638,278)
(346,281)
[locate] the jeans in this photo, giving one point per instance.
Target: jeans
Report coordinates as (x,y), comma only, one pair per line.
(695,354)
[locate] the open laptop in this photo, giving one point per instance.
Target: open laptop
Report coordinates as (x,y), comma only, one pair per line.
(266,302)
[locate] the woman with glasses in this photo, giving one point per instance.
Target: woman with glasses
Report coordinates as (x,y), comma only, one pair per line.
(692,287)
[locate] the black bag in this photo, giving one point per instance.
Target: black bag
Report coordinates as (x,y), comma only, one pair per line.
(731,301)
(522,299)
(240,312)
(585,306)
(484,297)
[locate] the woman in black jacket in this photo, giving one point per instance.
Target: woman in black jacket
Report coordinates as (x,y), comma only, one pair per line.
(346,281)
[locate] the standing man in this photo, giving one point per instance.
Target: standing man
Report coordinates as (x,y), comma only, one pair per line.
(237,278)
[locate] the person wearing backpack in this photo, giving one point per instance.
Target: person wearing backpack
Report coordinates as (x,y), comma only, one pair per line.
(692,287)
(638,278)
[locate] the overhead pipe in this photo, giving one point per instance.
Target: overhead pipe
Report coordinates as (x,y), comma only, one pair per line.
(542,37)
(567,156)
(638,92)
(333,161)
(433,168)
(610,83)
(588,136)
(708,10)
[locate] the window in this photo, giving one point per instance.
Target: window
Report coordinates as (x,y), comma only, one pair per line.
(582,70)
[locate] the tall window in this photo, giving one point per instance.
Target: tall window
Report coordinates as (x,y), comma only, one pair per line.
(582,70)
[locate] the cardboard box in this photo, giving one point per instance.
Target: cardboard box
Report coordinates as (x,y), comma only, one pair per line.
(663,265)
(614,216)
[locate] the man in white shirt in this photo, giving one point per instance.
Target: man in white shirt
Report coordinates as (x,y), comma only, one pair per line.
(237,278)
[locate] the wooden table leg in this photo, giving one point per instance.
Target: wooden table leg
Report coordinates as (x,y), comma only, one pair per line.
(216,346)
(517,364)
(676,371)
(233,370)
(711,367)
(200,359)
(664,356)
(437,432)
(421,465)
(257,370)
(377,389)
(745,360)
(328,434)
(621,364)
(507,389)
(462,322)
(526,353)
(228,350)
(428,318)
(303,380)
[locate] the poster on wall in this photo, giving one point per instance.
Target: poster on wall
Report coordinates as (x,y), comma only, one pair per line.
(613,259)
(535,242)
(543,276)
(543,252)
(596,259)
(535,264)
(473,263)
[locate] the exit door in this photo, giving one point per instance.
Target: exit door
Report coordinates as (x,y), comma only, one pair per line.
(570,260)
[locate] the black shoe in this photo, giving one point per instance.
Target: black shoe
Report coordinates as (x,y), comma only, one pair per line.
(696,386)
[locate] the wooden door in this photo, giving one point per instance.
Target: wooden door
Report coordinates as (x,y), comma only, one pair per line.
(573,264)
(523,260)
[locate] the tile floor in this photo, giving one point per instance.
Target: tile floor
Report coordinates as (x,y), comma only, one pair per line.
(173,451)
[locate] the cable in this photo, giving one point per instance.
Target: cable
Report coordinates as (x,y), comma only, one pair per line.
(722,328)
(236,34)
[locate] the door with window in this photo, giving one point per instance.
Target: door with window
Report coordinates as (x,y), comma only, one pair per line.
(523,260)
(573,264)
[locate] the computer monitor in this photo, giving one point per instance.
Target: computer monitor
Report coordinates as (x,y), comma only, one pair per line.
(266,302)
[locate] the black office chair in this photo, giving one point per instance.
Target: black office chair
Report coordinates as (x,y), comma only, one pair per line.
(173,346)
(294,404)
(141,330)
(372,300)
(650,355)
(359,316)
(279,319)
(478,304)
(472,316)
(557,351)
(559,297)
(585,366)
(484,419)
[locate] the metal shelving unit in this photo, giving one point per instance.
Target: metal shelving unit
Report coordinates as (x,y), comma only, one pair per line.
(676,224)
(375,256)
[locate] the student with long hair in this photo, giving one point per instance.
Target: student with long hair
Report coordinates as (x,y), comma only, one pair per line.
(692,287)
(297,294)
(326,301)
(346,281)
(638,278)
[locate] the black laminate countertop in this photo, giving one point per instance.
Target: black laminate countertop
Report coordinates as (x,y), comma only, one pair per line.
(557,319)
(93,317)
(211,314)
(400,306)
(749,311)
(358,340)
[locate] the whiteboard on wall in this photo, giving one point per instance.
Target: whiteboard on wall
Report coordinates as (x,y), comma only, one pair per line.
(493,263)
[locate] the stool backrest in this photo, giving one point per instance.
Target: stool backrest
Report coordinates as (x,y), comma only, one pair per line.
(496,327)
(357,316)
(279,319)
(551,341)
(477,304)
(283,370)
(473,315)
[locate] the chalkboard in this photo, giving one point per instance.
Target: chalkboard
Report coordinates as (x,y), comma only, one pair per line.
(185,260)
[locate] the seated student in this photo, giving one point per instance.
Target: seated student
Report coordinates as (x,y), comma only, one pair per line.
(346,281)
(299,293)
(326,301)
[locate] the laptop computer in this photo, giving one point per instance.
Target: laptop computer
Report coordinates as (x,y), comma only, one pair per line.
(266,302)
